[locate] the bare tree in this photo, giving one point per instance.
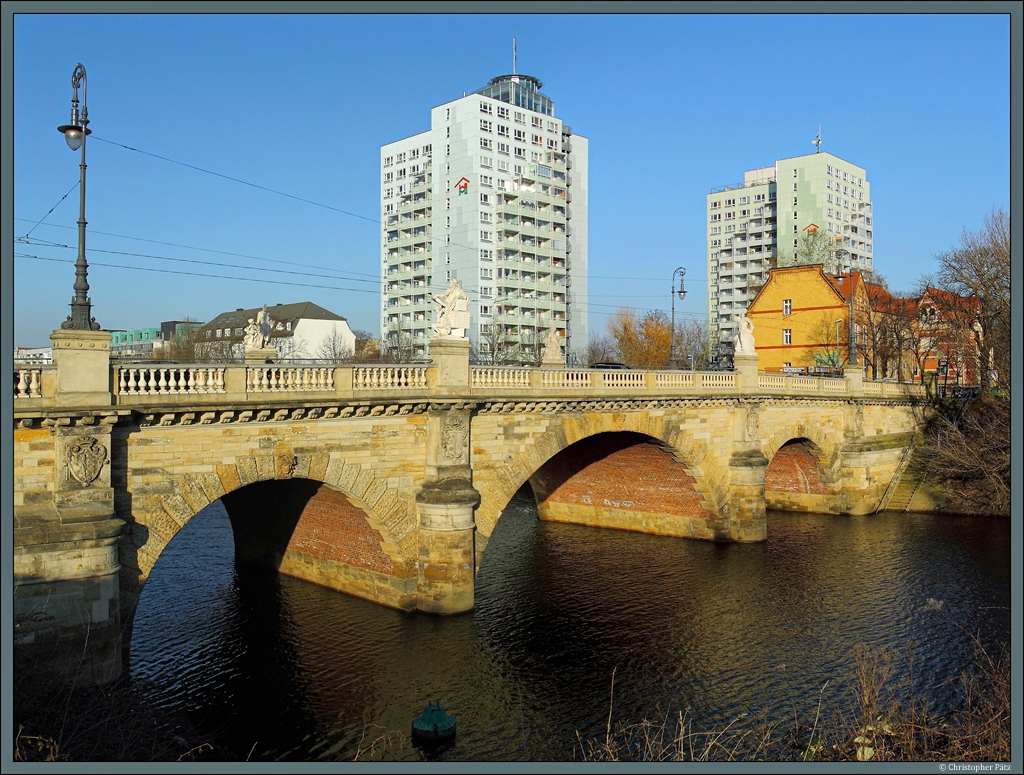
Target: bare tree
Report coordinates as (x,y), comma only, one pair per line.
(696,339)
(600,349)
(333,348)
(979,269)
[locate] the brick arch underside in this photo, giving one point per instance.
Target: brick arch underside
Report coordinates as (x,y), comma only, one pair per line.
(705,482)
(350,532)
(800,476)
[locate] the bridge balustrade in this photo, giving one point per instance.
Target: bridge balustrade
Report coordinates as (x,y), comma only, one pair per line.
(163,380)
(35,384)
(389,377)
(499,377)
(278,379)
(28,381)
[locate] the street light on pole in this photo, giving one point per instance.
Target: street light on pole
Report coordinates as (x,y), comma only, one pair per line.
(851,344)
(75,133)
(680,272)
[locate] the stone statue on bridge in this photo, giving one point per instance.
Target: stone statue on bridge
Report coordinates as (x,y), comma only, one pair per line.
(452,312)
(744,339)
(257,333)
(552,352)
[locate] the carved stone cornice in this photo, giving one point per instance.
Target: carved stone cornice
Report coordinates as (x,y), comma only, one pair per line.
(273,414)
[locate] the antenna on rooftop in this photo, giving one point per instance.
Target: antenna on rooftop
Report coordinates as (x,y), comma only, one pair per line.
(816,142)
(513,51)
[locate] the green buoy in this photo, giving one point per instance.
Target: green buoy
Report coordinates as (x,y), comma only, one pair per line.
(434,724)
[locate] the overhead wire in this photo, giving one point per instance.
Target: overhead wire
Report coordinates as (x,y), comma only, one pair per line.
(589,308)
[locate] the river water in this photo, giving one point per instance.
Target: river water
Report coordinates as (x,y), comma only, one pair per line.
(279,669)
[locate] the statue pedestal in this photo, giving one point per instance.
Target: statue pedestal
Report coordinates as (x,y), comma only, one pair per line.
(451,357)
(745,367)
(82,359)
(261,355)
(552,362)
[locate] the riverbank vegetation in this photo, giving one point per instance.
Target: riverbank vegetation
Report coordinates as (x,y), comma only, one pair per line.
(968,444)
(889,722)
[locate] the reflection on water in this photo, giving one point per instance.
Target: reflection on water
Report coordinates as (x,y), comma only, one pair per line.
(283,669)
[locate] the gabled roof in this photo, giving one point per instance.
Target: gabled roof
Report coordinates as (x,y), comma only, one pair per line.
(279,313)
(303,310)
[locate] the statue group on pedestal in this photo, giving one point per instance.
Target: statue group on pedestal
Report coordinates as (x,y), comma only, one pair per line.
(257,333)
(452,312)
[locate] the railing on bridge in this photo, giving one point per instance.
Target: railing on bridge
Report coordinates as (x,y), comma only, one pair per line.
(132,383)
(28,380)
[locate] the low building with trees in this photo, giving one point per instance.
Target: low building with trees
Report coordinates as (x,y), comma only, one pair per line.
(300,331)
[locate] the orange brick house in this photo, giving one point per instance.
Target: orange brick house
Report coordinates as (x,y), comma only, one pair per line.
(801,318)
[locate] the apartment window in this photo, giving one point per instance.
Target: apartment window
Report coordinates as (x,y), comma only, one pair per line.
(486,255)
(503,130)
(744,200)
(716,216)
(388,160)
(520,136)
(828,169)
(795,215)
(426,150)
(787,306)
(485,180)
(503,165)
(746,213)
(389,208)
(730,202)
(794,173)
(485,236)
(520,153)
(730,215)
(502,112)
(758,197)
(794,186)
(447,204)
(485,199)
(485,291)
(503,148)
(485,142)
(520,118)
(400,158)
(486,126)
(388,177)
(552,145)
(485,310)
(537,139)
(486,273)
(538,122)
(485,162)
(485,217)
(715,205)
(485,107)
(794,201)
(447,221)
(787,336)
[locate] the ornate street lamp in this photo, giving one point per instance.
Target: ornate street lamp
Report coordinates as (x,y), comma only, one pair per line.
(851,344)
(75,133)
(680,271)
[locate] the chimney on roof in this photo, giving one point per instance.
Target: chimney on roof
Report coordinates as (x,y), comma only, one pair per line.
(238,309)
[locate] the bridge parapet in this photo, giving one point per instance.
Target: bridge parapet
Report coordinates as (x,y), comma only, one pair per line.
(142,384)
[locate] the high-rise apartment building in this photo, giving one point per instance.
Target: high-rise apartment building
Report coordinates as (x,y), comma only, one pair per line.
(758,224)
(493,195)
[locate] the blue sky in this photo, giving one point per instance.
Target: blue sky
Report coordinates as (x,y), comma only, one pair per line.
(672,105)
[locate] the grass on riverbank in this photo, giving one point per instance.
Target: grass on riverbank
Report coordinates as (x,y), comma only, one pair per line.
(878,730)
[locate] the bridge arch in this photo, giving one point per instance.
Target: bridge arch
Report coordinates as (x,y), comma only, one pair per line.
(499,480)
(343,485)
(801,475)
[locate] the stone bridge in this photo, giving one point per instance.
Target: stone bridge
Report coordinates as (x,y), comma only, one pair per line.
(385,482)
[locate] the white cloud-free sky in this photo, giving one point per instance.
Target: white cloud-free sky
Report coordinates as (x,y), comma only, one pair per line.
(298,105)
